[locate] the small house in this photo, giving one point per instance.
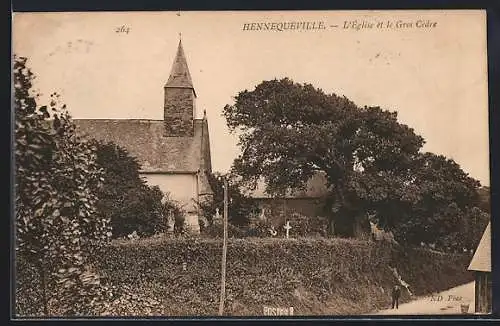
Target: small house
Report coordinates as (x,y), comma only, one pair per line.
(481,265)
(307,202)
(310,201)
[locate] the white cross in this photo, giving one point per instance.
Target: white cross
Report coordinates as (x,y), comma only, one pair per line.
(287,227)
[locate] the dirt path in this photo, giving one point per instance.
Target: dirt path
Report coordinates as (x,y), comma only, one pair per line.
(446,302)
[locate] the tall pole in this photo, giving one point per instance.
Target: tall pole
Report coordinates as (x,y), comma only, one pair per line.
(224,254)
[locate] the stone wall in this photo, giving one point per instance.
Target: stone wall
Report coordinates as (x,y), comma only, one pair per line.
(179,112)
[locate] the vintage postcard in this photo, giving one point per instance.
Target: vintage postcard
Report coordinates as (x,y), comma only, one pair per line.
(295,163)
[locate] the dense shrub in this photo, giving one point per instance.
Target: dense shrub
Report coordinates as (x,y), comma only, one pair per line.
(57,224)
(459,229)
(216,230)
(301,226)
(173,214)
(316,276)
(240,205)
(313,226)
(125,197)
(261,229)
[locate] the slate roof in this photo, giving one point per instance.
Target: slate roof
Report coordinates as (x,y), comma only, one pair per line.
(316,187)
(145,140)
(180,76)
(482,257)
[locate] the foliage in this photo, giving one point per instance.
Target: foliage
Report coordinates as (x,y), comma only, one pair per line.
(57,177)
(216,230)
(240,207)
(441,181)
(452,229)
(476,223)
(308,226)
(280,123)
(302,226)
(172,211)
(442,211)
(372,163)
(315,276)
(261,229)
(484,201)
(125,197)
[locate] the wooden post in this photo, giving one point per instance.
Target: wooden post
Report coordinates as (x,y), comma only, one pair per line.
(44,289)
(224,254)
(198,210)
(284,208)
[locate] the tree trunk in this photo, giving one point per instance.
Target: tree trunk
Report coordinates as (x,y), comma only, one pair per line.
(350,224)
(348,220)
(43,283)
(341,215)
(331,226)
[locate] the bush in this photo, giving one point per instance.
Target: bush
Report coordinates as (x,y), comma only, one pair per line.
(58,227)
(240,206)
(315,226)
(315,276)
(181,277)
(302,226)
(261,229)
(173,214)
(458,229)
(125,197)
(216,230)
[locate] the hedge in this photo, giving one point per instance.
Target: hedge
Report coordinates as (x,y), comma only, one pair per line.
(315,276)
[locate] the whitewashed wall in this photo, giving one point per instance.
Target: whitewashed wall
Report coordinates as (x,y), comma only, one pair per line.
(182,188)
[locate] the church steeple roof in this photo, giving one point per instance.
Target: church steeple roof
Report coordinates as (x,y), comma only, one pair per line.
(179,75)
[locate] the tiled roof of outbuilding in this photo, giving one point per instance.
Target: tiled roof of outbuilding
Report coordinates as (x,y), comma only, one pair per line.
(316,187)
(482,257)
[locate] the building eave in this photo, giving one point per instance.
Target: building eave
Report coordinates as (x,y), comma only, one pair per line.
(182,87)
(481,261)
(167,172)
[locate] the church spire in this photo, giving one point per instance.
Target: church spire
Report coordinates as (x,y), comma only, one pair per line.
(179,75)
(180,99)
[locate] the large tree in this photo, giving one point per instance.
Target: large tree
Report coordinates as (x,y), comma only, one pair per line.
(125,197)
(373,164)
(58,228)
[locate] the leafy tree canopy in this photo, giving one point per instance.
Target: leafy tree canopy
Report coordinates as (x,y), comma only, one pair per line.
(125,197)
(290,131)
(58,228)
(373,164)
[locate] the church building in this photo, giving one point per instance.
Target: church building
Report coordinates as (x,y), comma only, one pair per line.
(174,153)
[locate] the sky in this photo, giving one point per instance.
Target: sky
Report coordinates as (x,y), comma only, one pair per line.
(429,66)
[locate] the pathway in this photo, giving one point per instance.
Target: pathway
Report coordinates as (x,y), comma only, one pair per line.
(446,302)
